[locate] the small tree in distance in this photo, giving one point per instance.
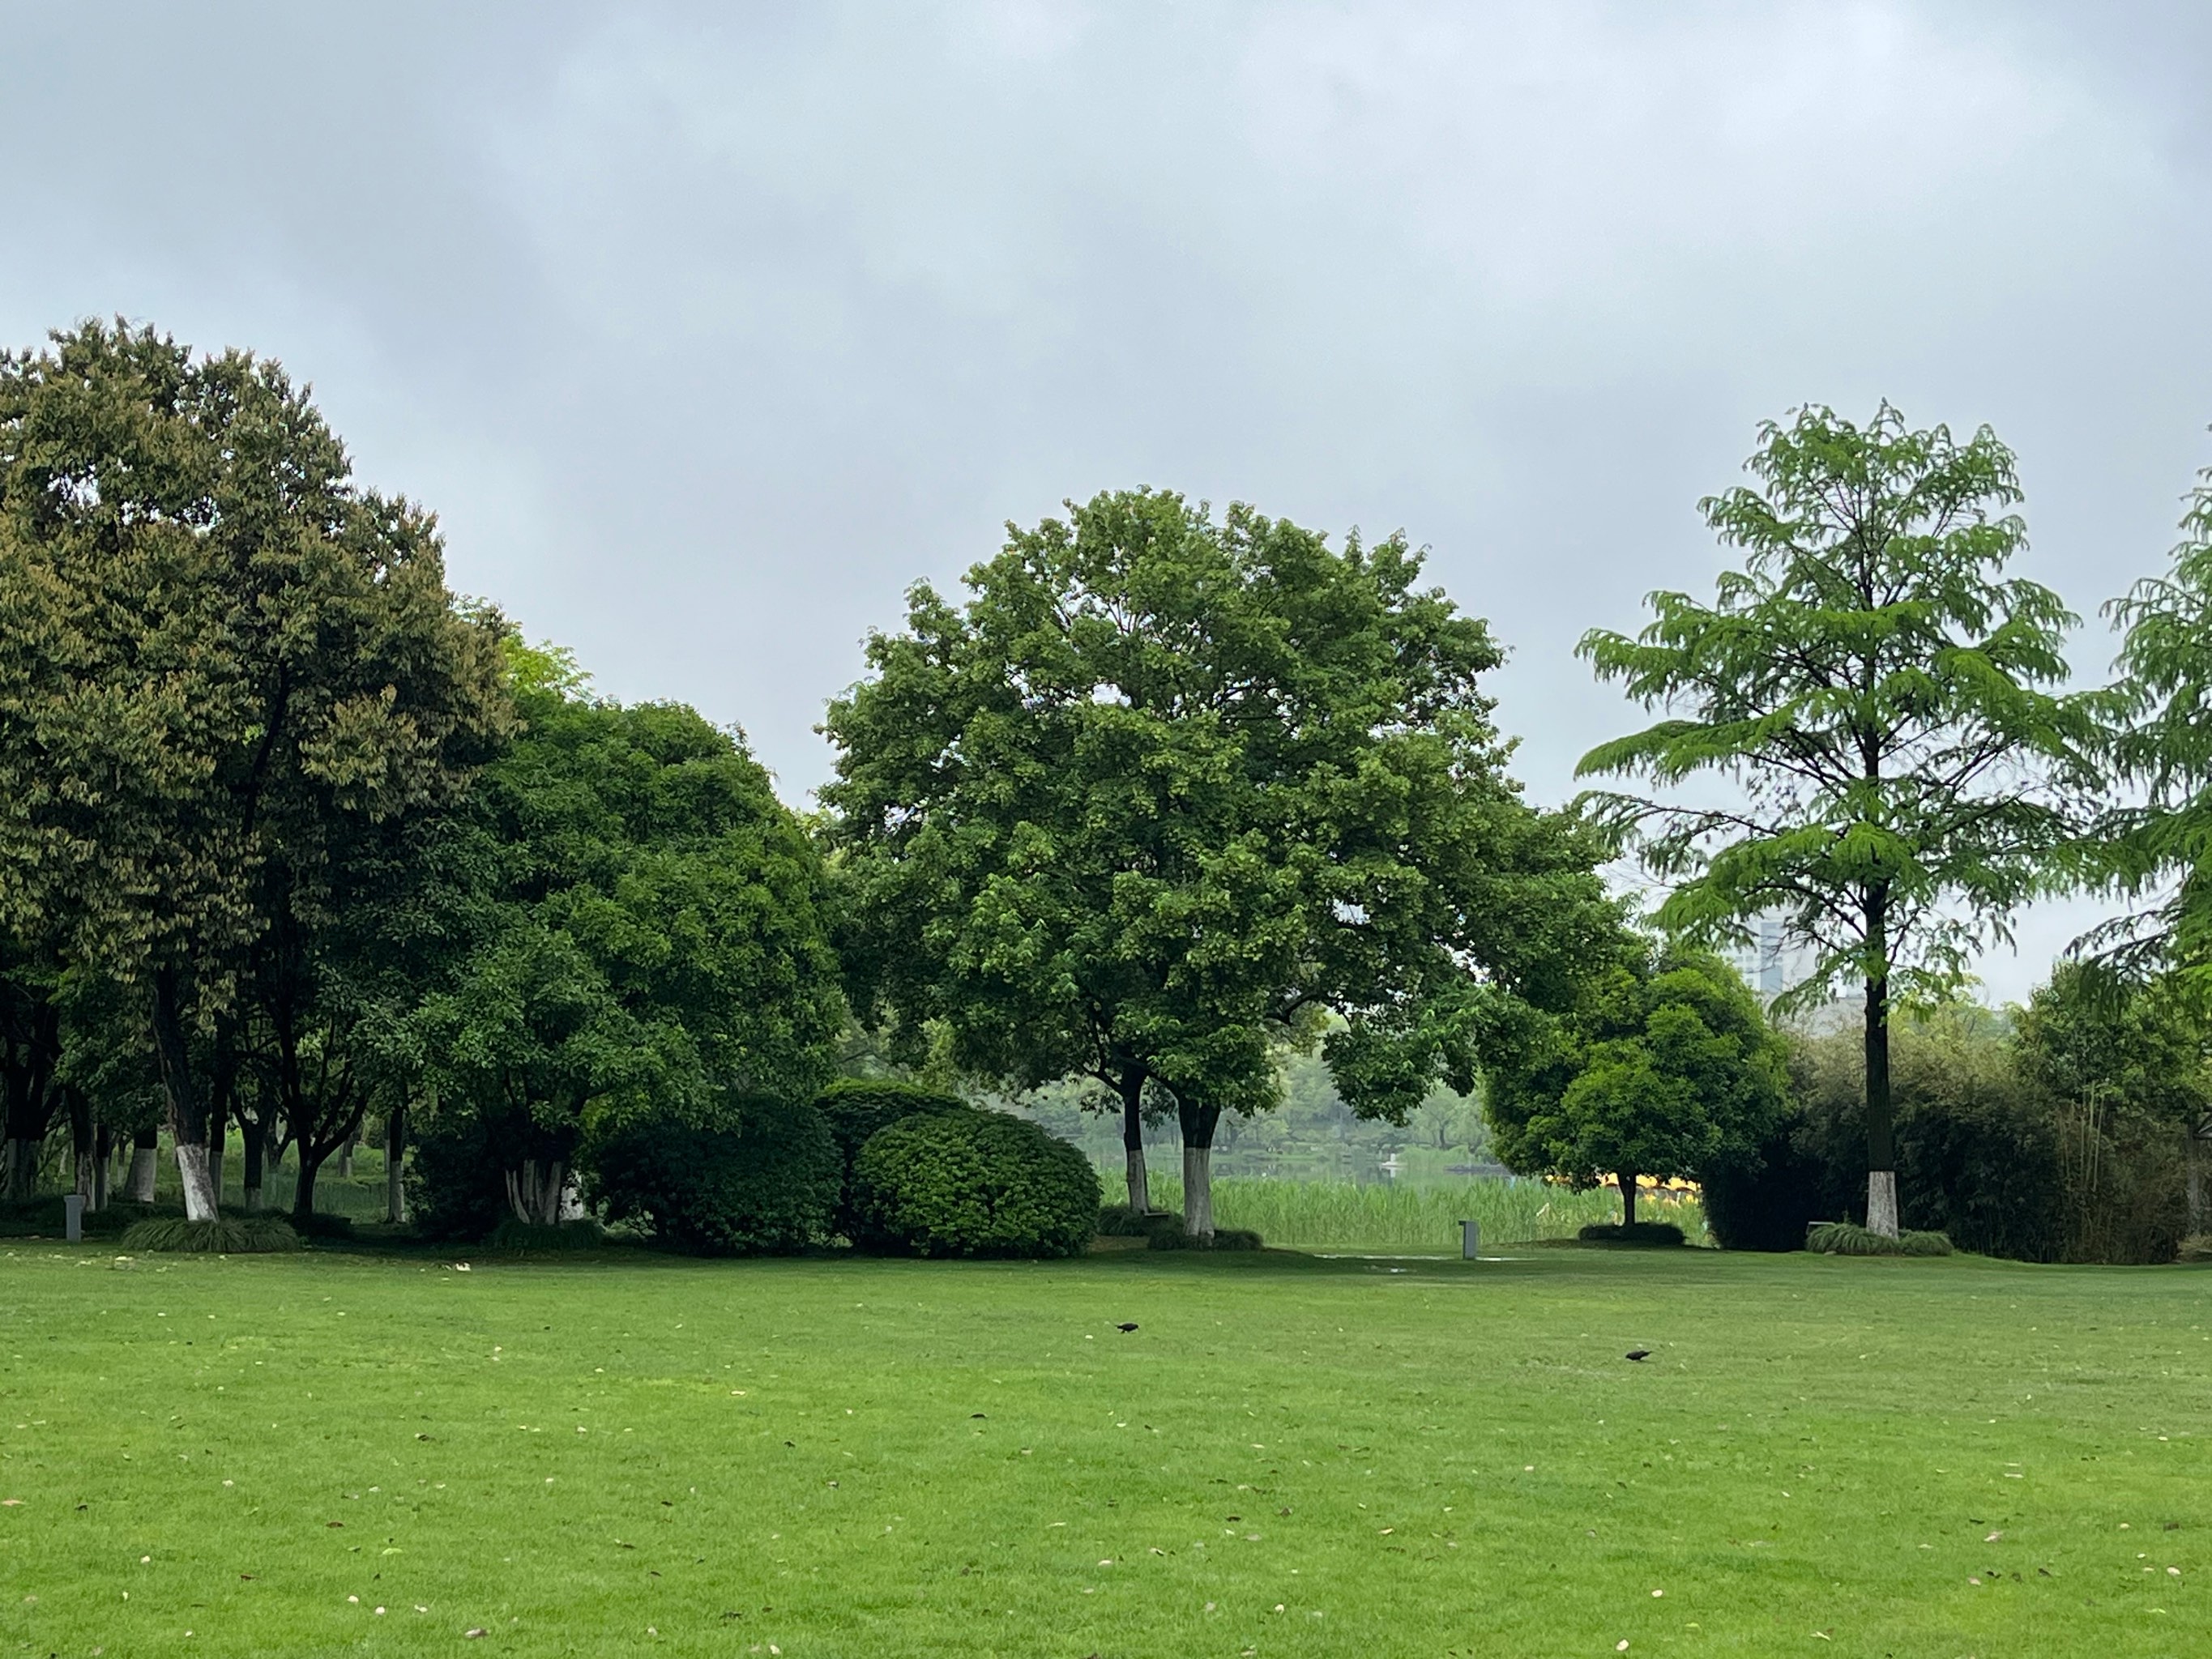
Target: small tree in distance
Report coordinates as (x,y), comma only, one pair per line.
(1666,1066)
(1879,694)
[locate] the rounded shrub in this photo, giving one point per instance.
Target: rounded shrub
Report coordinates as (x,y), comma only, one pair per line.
(974,1183)
(769,1186)
(519,1238)
(856,1109)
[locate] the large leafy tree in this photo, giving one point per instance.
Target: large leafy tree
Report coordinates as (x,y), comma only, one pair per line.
(643,934)
(219,651)
(1665,1067)
(1166,793)
(1880,700)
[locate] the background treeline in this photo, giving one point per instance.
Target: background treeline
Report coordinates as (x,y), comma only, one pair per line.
(1174,821)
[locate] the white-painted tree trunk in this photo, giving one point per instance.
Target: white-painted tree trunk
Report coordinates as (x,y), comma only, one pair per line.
(1881,1202)
(1198,1191)
(142,1168)
(534,1192)
(1141,1186)
(199,1187)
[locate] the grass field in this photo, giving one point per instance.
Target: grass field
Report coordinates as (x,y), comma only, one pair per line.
(1288,1457)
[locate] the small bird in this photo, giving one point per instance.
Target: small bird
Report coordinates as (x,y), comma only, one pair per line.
(1638,1353)
(1125,1327)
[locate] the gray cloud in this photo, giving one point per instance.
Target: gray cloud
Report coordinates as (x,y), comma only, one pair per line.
(707,330)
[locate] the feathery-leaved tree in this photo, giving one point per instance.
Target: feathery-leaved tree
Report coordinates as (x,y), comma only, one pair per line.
(1880,704)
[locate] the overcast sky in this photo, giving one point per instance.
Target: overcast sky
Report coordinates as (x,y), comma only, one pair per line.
(708,329)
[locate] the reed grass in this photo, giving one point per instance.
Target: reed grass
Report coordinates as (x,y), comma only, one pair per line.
(1361,1216)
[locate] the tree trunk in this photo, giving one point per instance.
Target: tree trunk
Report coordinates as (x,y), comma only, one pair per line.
(1627,1198)
(1881,1148)
(188,1124)
(218,1138)
(145,1146)
(303,1190)
(1133,1145)
(256,1140)
(103,1159)
(2194,1151)
(345,1157)
(1199,1124)
(395,1148)
(18,1159)
(198,1183)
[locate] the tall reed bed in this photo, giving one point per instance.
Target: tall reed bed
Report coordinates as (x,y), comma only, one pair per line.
(1359,1216)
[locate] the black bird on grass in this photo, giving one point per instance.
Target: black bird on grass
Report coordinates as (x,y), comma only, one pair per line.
(1638,1353)
(1125,1327)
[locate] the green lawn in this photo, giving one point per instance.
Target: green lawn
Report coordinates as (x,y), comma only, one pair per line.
(1288,1457)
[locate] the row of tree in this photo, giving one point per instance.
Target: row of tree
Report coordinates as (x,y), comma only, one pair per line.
(290,838)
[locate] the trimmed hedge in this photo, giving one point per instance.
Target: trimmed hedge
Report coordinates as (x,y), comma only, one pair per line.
(1645,1234)
(769,1186)
(257,1234)
(973,1183)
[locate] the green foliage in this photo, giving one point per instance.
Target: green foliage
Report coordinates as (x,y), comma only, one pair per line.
(1662,1235)
(1877,700)
(1848,1238)
(767,1186)
(236,681)
(224,1236)
(974,1183)
(2159,849)
(1665,1066)
(1165,790)
(856,1107)
(1221,1238)
(455,1186)
(647,932)
(518,1238)
(1119,1221)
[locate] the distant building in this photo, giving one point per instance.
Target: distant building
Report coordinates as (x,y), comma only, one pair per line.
(1772,962)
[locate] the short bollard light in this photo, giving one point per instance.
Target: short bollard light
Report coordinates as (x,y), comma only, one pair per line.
(73,1217)
(1470,1240)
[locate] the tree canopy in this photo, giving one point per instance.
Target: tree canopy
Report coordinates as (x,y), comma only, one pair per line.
(1165,791)
(223,659)
(1665,1067)
(645,934)
(1880,701)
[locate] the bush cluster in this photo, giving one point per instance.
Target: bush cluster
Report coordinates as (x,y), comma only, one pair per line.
(973,1183)
(1849,1238)
(767,1186)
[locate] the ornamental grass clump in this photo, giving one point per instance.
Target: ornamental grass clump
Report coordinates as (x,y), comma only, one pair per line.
(252,1234)
(973,1183)
(1849,1238)
(1664,1235)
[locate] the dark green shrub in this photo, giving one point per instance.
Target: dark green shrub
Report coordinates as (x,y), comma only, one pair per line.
(533,1238)
(767,1186)
(855,1108)
(974,1183)
(225,1235)
(1849,1238)
(322,1225)
(1224,1238)
(1766,1202)
(1119,1221)
(456,1184)
(1664,1235)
